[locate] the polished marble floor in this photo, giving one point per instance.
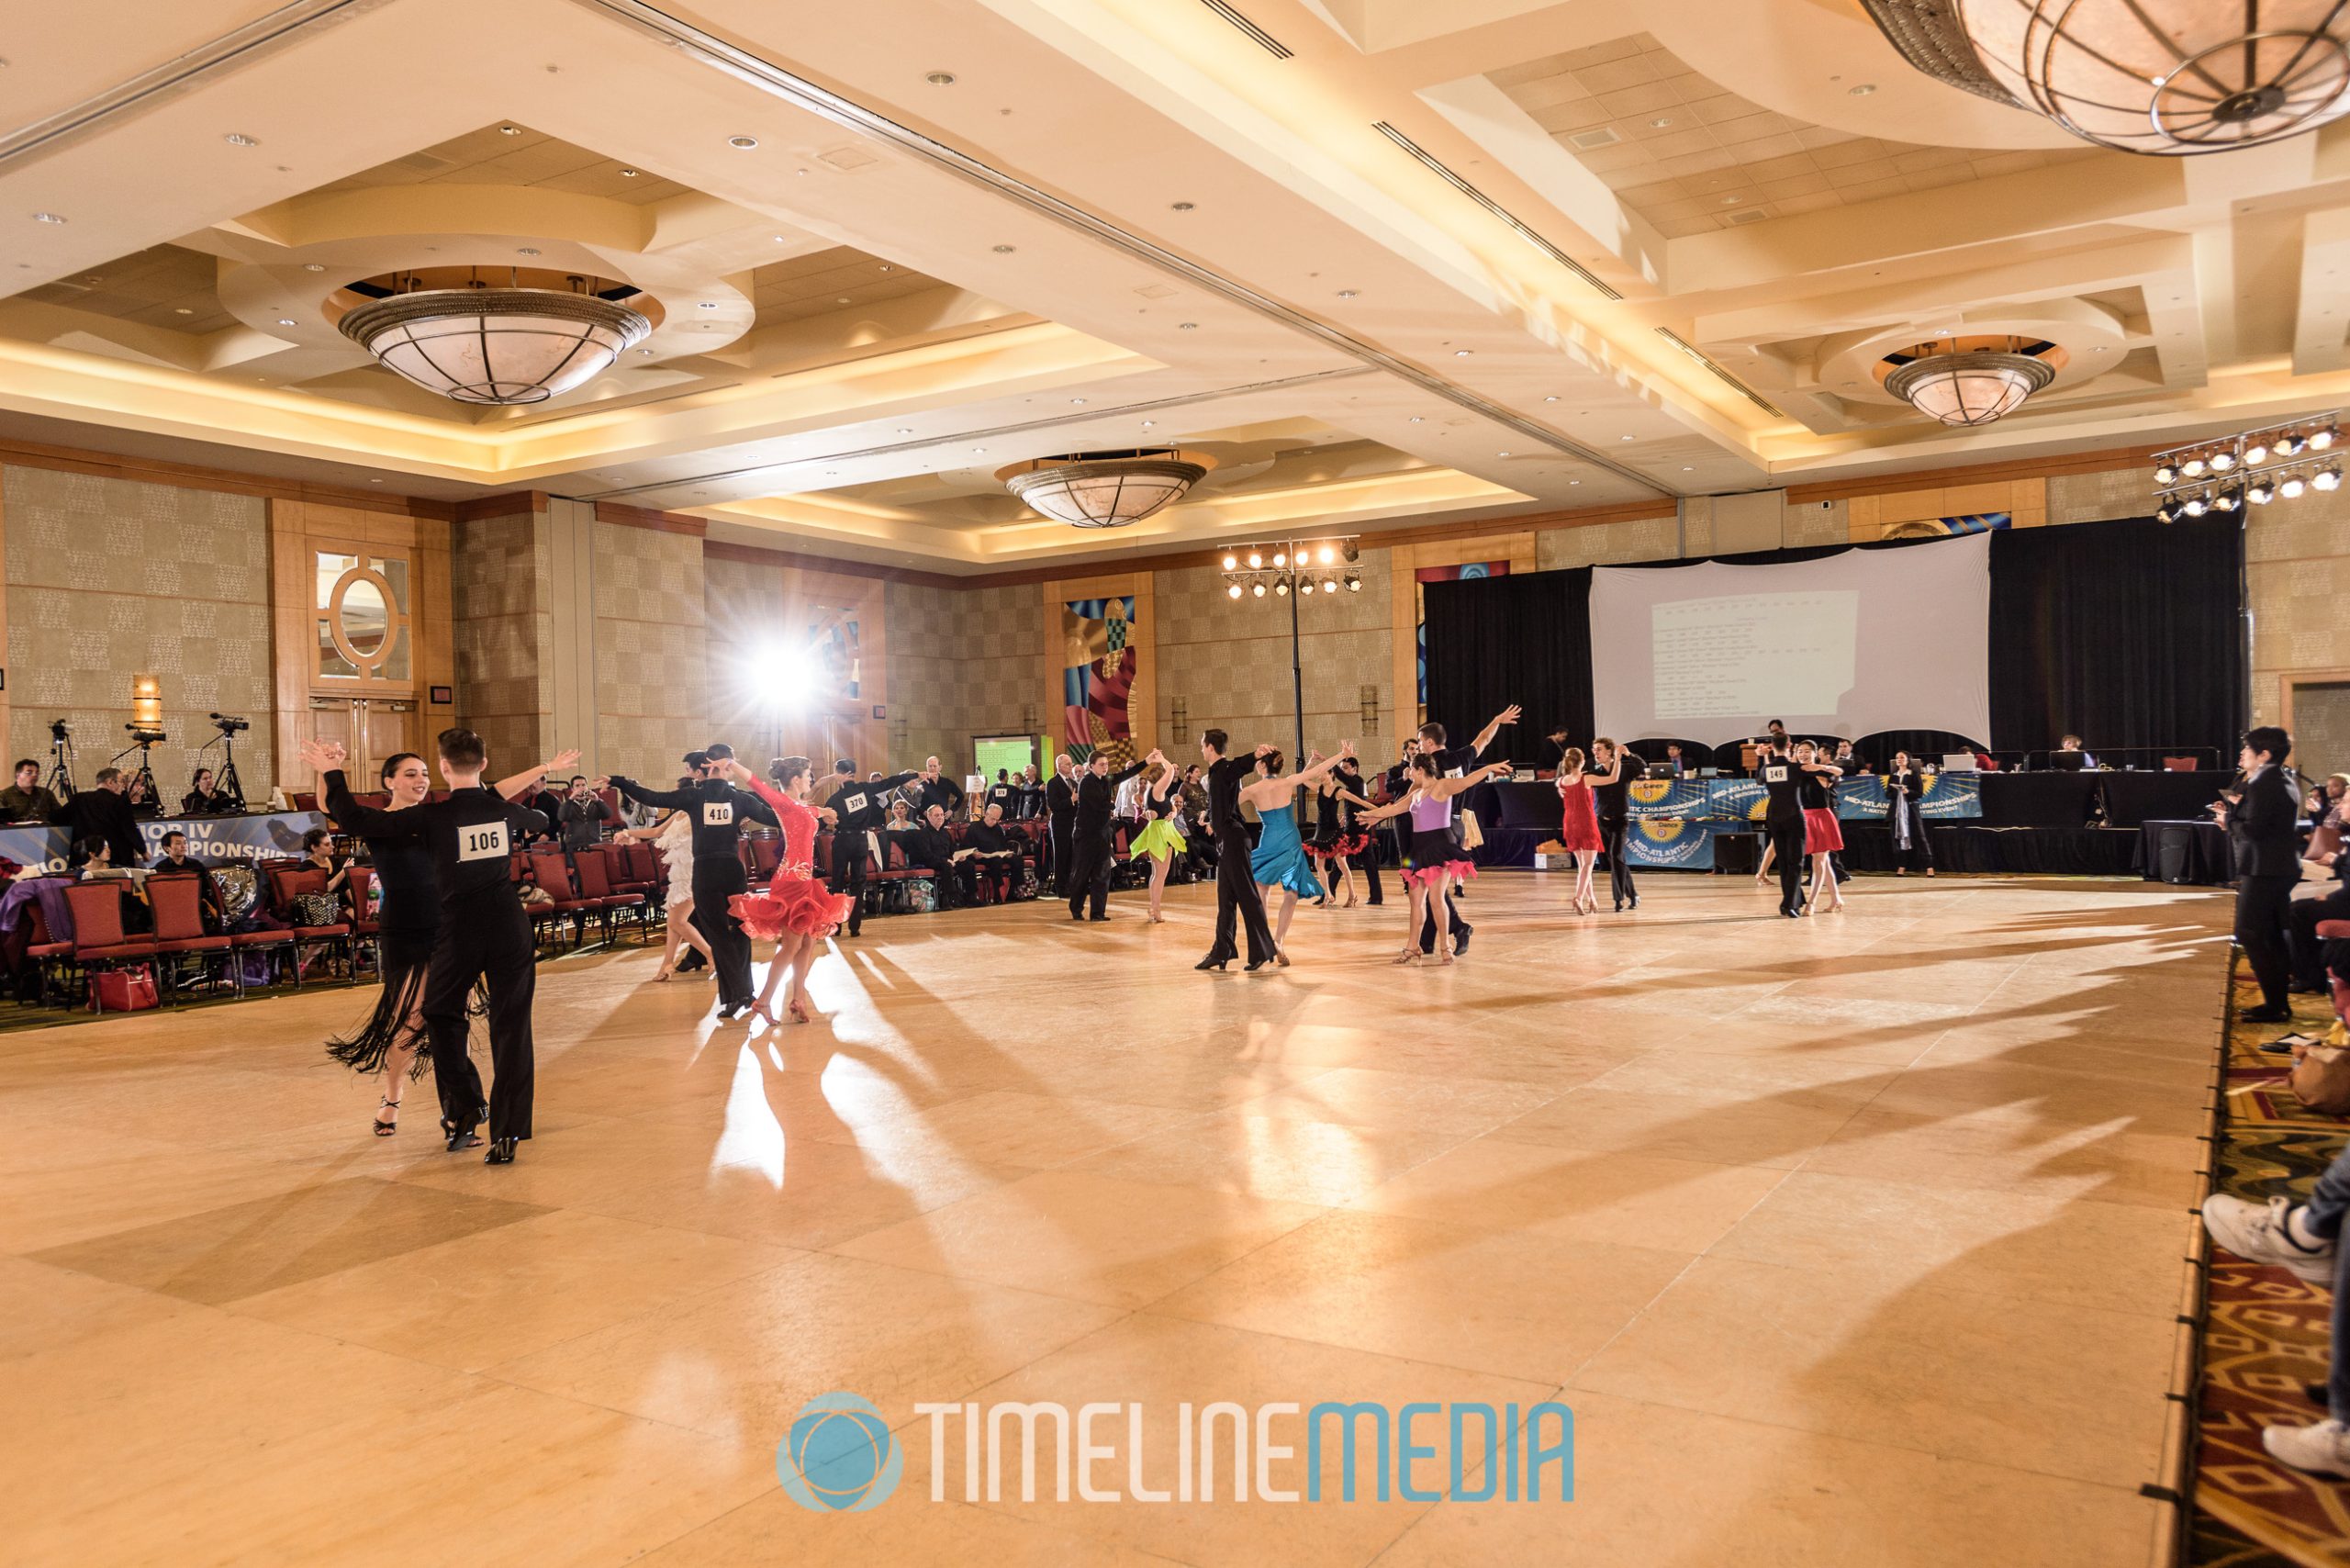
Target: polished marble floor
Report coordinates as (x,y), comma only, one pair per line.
(1854,1240)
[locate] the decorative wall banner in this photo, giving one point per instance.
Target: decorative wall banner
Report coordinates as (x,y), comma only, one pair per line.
(1669,842)
(1948,795)
(1861,797)
(1097,674)
(1742,798)
(214,840)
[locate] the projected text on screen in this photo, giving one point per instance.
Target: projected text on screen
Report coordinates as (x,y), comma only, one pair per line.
(1746,653)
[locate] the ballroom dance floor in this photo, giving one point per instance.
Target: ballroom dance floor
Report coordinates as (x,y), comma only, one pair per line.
(1856,1238)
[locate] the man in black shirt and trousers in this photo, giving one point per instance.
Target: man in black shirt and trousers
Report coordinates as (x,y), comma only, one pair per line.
(858,810)
(716,810)
(1236,889)
(1612,804)
(1060,810)
(1783,781)
(937,790)
(1090,842)
(2264,829)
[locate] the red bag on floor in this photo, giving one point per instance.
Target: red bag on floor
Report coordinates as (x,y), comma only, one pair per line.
(122,990)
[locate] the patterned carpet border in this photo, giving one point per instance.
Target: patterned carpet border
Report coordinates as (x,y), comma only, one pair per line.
(2262,1333)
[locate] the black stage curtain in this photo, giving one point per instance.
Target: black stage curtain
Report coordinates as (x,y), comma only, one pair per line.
(2128,634)
(1523,638)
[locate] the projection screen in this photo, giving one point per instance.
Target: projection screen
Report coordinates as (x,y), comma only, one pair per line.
(1848,644)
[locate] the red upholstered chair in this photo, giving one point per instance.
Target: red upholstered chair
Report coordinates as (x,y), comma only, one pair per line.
(304,800)
(99,940)
(593,868)
(551,872)
(285,885)
(2179,764)
(767,854)
(178,902)
(45,950)
(823,857)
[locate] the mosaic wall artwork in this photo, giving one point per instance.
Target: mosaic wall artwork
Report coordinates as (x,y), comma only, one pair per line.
(1097,673)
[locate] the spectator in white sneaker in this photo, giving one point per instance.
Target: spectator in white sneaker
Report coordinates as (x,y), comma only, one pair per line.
(2304,1238)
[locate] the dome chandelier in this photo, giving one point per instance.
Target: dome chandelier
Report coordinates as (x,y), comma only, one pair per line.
(452,332)
(1106,490)
(2252,469)
(2153,77)
(1969,380)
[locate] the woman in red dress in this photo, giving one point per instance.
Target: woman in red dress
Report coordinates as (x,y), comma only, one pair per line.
(796,912)
(1579,828)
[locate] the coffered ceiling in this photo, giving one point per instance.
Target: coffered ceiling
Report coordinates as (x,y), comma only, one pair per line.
(1390,261)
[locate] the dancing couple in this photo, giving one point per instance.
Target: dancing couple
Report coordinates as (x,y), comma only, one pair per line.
(715,813)
(1434,860)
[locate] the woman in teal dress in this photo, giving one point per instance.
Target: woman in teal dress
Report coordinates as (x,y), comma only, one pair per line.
(1280,862)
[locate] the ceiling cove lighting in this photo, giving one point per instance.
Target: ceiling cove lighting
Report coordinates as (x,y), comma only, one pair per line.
(1106,490)
(2267,464)
(1969,380)
(496,346)
(2166,77)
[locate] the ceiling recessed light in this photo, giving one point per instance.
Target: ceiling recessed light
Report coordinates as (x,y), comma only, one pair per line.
(1005,250)
(1078,400)
(509,130)
(239,138)
(646,353)
(1346,294)
(1732,201)
(888,268)
(314,267)
(905,429)
(1623,438)
(1187,326)
(526,250)
(1688,469)
(1148,423)
(628,173)
(1501,454)
(978,449)
(1660,122)
(709,305)
(841,300)
(941,78)
(287,322)
(47,218)
(374,481)
(183,310)
(1863,90)
(1549,399)
(780,241)
(1575,481)
(1414,419)
(1178,206)
(743,143)
(1463,354)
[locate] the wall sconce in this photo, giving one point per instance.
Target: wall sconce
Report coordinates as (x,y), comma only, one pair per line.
(1369,717)
(146,703)
(1179,721)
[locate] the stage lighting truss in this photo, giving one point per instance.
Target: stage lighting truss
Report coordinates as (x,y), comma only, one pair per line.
(2280,462)
(1306,566)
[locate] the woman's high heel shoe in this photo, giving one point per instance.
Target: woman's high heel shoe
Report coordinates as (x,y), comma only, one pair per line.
(664,972)
(1405,956)
(799,1013)
(384,1128)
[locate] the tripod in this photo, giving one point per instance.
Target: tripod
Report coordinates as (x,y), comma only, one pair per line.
(146,774)
(226,782)
(59,781)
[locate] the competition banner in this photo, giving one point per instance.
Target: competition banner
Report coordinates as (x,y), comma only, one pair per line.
(1667,797)
(213,841)
(1861,798)
(1669,842)
(1740,800)
(1948,795)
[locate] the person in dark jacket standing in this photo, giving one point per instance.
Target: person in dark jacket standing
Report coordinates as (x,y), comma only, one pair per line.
(1060,811)
(1089,857)
(1611,800)
(717,810)
(106,812)
(2264,829)
(1236,888)
(858,811)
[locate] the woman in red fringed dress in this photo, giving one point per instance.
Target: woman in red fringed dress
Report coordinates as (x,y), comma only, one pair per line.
(794,911)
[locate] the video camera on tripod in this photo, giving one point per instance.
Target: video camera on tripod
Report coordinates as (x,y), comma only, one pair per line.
(226,781)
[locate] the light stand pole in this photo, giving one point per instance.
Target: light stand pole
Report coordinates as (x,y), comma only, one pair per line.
(1296,680)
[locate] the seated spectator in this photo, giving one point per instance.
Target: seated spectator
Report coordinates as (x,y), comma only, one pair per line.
(1673,759)
(318,855)
(900,821)
(1848,759)
(990,857)
(2306,1241)
(2069,756)
(28,800)
(202,800)
(175,860)
(927,846)
(2324,805)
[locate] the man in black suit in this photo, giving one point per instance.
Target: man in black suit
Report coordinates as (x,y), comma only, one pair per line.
(1782,816)
(1089,856)
(858,810)
(106,813)
(931,848)
(1235,890)
(716,812)
(2263,828)
(1060,809)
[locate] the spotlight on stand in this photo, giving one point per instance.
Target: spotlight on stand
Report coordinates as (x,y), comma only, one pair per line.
(2166,513)
(1305,587)
(1233,591)
(2193,467)
(1354,584)
(1259,591)
(2289,444)
(2291,484)
(2261,491)
(2328,477)
(2165,473)
(2323,437)
(2197,505)
(2255,452)
(2229,499)
(2222,460)
(1230,561)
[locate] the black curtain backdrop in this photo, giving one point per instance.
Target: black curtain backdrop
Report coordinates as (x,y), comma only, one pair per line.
(2128,633)
(1523,638)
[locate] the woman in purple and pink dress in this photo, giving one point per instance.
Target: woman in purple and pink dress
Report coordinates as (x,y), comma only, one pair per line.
(1435,859)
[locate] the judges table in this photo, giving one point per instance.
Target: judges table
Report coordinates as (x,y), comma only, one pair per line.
(2197,851)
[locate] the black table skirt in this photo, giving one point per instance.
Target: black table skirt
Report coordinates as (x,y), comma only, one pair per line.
(2209,860)
(2038,800)
(2134,798)
(2023,851)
